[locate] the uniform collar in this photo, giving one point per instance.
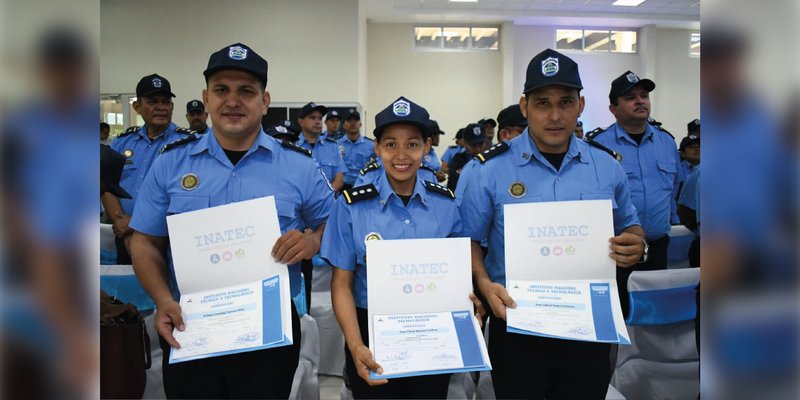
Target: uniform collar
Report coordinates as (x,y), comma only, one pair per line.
(210,143)
(359,140)
(386,192)
(143,131)
(302,140)
(622,135)
(525,150)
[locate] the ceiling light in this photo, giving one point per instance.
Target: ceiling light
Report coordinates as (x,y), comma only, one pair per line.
(627,3)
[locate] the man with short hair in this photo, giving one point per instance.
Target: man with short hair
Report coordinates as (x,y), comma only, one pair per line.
(356,149)
(324,150)
(140,146)
(105,134)
(197,116)
(235,162)
(332,125)
(546,163)
(649,156)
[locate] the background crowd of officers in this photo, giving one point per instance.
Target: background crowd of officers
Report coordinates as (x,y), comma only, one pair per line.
(658,189)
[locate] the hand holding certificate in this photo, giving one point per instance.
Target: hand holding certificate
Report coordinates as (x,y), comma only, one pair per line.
(420,313)
(559,272)
(234,296)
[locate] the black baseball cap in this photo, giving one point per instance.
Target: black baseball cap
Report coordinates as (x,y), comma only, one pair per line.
(691,139)
(195,105)
(475,134)
(434,127)
(333,114)
(237,56)
(626,82)
(402,111)
(284,132)
(550,68)
(352,113)
(460,134)
(488,121)
(311,107)
(111,165)
(693,126)
(152,84)
(511,116)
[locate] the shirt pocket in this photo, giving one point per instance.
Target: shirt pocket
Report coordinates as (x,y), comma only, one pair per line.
(186,203)
(128,170)
(287,214)
(667,171)
(600,196)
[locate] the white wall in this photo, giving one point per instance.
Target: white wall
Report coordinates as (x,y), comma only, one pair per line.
(455,87)
(676,100)
(311,46)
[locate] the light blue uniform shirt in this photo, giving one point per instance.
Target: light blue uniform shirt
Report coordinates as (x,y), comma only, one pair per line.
(450,152)
(432,160)
(428,215)
(356,155)
(586,173)
(302,197)
(327,155)
(140,152)
(690,192)
(654,175)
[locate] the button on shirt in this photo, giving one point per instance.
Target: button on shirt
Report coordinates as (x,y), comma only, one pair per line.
(356,155)
(326,153)
(427,215)
(586,173)
(654,175)
(143,152)
(302,197)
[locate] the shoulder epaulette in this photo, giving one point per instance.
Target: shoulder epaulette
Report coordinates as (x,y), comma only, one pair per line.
(437,188)
(372,166)
(658,127)
(184,131)
(591,135)
(180,142)
(330,139)
(492,152)
(359,193)
(423,166)
(594,144)
(291,146)
(128,131)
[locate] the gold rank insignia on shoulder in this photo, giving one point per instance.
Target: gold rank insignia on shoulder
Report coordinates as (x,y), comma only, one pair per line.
(372,236)
(189,181)
(128,153)
(517,190)
(437,188)
(359,193)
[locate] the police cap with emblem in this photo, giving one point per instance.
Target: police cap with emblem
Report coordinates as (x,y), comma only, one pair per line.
(475,134)
(688,140)
(152,84)
(693,126)
(333,114)
(434,127)
(402,111)
(352,113)
(311,107)
(511,116)
(551,68)
(195,105)
(626,82)
(284,132)
(111,165)
(237,56)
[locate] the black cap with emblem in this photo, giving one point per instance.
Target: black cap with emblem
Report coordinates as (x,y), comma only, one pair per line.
(551,68)
(333,114)
(475,134)
(402,111)
(311,107)
(153,84)
(195,105)
(237,56)
(511,116)
(111,165)
(626,82)
(688,140)
(434,127)
(352,113)
(283,132)
(693,127)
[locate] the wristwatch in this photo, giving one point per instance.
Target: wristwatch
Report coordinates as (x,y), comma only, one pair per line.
(646,252)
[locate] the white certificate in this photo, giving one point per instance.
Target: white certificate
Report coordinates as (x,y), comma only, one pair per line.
(230,320)
(230,245)
(432,342)
(559,271)
(428,281)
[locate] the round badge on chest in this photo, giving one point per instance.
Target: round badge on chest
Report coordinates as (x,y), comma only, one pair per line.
(372,236)
(517,190)
(128,153)
(189,181)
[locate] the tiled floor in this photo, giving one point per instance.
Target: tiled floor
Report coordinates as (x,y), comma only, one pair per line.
(329,387)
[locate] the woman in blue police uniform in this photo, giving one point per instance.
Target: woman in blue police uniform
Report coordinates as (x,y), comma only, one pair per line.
(545,163)
(396,205)
(235,162)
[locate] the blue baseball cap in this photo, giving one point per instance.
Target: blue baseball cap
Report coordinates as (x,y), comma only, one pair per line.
(551,68)
(402,111)
(237,56)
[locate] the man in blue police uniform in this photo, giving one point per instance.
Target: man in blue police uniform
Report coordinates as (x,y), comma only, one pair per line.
(431,159)
(333,121)
(649,156)
(237,161)
(545,163)
(511,123)
(325,150)
(453,150)
(689,150)
(488,126)
(197,116)
(140,146)
(475,141)
(356,149)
